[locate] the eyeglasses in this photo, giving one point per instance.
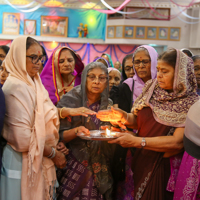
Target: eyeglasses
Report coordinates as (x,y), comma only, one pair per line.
(136,63)
(102,79)
(128,69)
(35,59)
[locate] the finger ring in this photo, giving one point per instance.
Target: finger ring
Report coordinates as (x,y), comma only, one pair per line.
(83,111)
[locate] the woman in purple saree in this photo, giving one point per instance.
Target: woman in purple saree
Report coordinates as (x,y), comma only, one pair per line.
(61,73)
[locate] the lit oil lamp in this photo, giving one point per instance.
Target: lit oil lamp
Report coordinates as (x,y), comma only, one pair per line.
(109,133)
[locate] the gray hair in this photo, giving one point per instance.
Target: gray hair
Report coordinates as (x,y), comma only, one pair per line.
(98,65)
(139,49)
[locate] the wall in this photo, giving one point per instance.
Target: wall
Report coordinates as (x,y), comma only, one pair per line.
(184,39)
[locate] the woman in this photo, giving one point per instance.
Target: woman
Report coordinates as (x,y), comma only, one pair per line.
(196,60)
(187,52)
(3,74)
(127,67)
(61,73)
(188,180)
(90,158)
(30,127)
(159,116)
(108,58)
(114,77)
(123,97)
(131,88)
(3,51)
(44,61)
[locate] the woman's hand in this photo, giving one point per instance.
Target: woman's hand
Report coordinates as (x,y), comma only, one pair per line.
(66,112)
(81,111)
(125,139)
(62,148)
(82,129)
(59,160)
(112,115)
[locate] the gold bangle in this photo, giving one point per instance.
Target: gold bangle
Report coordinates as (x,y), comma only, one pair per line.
(61,112)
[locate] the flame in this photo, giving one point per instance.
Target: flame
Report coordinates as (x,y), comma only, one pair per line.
(108,132)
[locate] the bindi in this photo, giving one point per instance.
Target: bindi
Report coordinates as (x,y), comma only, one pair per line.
(38,52)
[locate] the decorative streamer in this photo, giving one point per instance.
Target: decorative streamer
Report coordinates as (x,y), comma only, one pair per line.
(100,51)
(128,51)
(115,53)
(75,49)
(191,3)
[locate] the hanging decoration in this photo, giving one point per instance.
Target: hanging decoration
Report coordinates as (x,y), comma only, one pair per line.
(34,5)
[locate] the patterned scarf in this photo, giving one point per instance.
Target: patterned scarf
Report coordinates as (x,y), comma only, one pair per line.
(171,108)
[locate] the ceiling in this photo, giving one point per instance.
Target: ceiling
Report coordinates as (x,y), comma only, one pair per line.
(98,4)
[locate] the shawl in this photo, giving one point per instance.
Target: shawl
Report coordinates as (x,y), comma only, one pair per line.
(31,121)
(95,60)
(138,82)
(88,151)
(51,77)
(171,109)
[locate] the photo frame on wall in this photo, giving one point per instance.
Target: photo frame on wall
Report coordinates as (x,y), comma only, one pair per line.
(175,33)
(151,33)
(128,32)
(119,30)
(11,22)
(148,13)
(110,32)
(29,27)
(163,33)
(54,26)
(140,32)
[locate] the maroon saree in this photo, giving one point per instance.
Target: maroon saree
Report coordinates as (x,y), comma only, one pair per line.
(150,170)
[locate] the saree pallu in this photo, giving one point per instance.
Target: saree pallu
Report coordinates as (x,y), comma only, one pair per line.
(76,181)
(151,171)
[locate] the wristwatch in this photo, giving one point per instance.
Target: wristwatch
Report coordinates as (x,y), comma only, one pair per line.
(143,143)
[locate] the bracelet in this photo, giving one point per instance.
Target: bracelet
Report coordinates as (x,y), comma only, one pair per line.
(76,131)
(125,120)
(61,112)
(52,154)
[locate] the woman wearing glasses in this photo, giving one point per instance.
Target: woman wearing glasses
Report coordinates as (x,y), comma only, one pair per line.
(30,127)
(143,62)
(159,114)
(61,73)
(87,174)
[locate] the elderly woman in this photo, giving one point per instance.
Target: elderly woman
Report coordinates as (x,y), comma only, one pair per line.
(144,61)
(159,114)
(87,174)
(114,77)
(61,73)
(30,128)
